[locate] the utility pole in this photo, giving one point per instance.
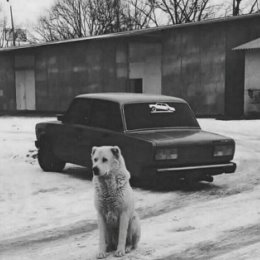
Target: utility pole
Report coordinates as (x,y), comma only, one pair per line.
(80,34)
(12,23)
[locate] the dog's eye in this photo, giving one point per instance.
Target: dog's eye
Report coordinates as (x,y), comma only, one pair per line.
(104,160)
(95,160)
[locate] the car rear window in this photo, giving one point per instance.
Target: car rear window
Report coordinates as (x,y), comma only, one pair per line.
(158,115)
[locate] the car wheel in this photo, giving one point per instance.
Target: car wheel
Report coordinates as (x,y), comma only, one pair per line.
(47,160)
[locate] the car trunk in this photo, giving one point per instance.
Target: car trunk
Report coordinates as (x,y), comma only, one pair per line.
(194,146)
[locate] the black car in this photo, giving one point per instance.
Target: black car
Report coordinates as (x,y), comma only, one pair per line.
(158,135)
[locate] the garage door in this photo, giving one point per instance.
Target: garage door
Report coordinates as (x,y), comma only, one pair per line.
(25,89)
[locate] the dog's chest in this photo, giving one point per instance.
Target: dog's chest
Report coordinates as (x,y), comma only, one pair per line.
(111,206)
(110,201)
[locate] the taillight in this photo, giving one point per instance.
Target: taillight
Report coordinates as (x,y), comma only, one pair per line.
(223,150)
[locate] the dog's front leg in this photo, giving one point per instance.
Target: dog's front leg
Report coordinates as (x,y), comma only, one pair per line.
(102,237)
(123,226)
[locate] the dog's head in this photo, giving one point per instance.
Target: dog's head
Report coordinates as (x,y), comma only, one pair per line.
(106,160)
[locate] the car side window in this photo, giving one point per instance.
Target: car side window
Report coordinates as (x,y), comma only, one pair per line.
(106,115)
(79,112)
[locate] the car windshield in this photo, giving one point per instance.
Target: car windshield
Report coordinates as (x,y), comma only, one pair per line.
(158,115)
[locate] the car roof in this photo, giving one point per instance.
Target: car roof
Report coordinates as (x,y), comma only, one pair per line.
(126,98)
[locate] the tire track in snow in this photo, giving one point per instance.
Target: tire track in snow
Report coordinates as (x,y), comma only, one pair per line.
(229,241)
(48,235)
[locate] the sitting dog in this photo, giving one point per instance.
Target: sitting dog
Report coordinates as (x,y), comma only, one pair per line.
(119,225)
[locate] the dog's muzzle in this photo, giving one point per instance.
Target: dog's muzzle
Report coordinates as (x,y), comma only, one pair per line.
(95,170)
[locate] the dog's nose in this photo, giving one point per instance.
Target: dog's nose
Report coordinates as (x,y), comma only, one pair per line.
(95,170)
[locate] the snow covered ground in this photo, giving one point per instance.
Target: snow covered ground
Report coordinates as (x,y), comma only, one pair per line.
(51,215)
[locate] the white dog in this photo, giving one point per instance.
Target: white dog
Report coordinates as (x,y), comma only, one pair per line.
(119,225)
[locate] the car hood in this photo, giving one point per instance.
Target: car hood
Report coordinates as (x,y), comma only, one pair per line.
(175,137)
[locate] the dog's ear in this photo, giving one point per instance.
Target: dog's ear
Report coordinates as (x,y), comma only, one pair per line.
(116,151)
(94,148)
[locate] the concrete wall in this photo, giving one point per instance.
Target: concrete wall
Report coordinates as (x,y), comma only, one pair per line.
(145,63)
(65,71)
(252,83)
(7,83)
(193,67)
(199,64)
(238,32)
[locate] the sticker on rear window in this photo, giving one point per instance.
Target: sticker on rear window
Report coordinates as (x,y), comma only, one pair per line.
(161,108)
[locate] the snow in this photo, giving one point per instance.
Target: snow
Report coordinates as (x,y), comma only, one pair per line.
(51,215)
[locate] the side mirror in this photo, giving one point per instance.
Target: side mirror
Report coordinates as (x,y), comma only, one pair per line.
(61,117)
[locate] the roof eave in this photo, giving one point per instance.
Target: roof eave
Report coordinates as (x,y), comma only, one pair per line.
(141,32)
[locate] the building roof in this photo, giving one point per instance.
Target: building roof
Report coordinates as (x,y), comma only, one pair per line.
(125,98)
(255,44)
(142,32)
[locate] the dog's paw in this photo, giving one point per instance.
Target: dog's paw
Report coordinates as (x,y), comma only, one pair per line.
(102,255)
(119,252)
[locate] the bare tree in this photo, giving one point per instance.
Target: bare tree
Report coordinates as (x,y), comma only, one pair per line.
(2,33)
(65,20)
(184,11)
(141,14)
(69,19)
(118,15)
(239,7)
(106,16)
(254,7)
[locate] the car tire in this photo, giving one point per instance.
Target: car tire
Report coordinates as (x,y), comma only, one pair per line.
(47,160)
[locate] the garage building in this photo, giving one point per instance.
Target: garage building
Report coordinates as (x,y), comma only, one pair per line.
(194,61)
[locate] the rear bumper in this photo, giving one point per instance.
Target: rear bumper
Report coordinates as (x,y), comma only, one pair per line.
(210,169)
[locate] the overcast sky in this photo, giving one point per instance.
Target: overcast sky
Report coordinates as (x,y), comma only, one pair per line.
(26,12)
